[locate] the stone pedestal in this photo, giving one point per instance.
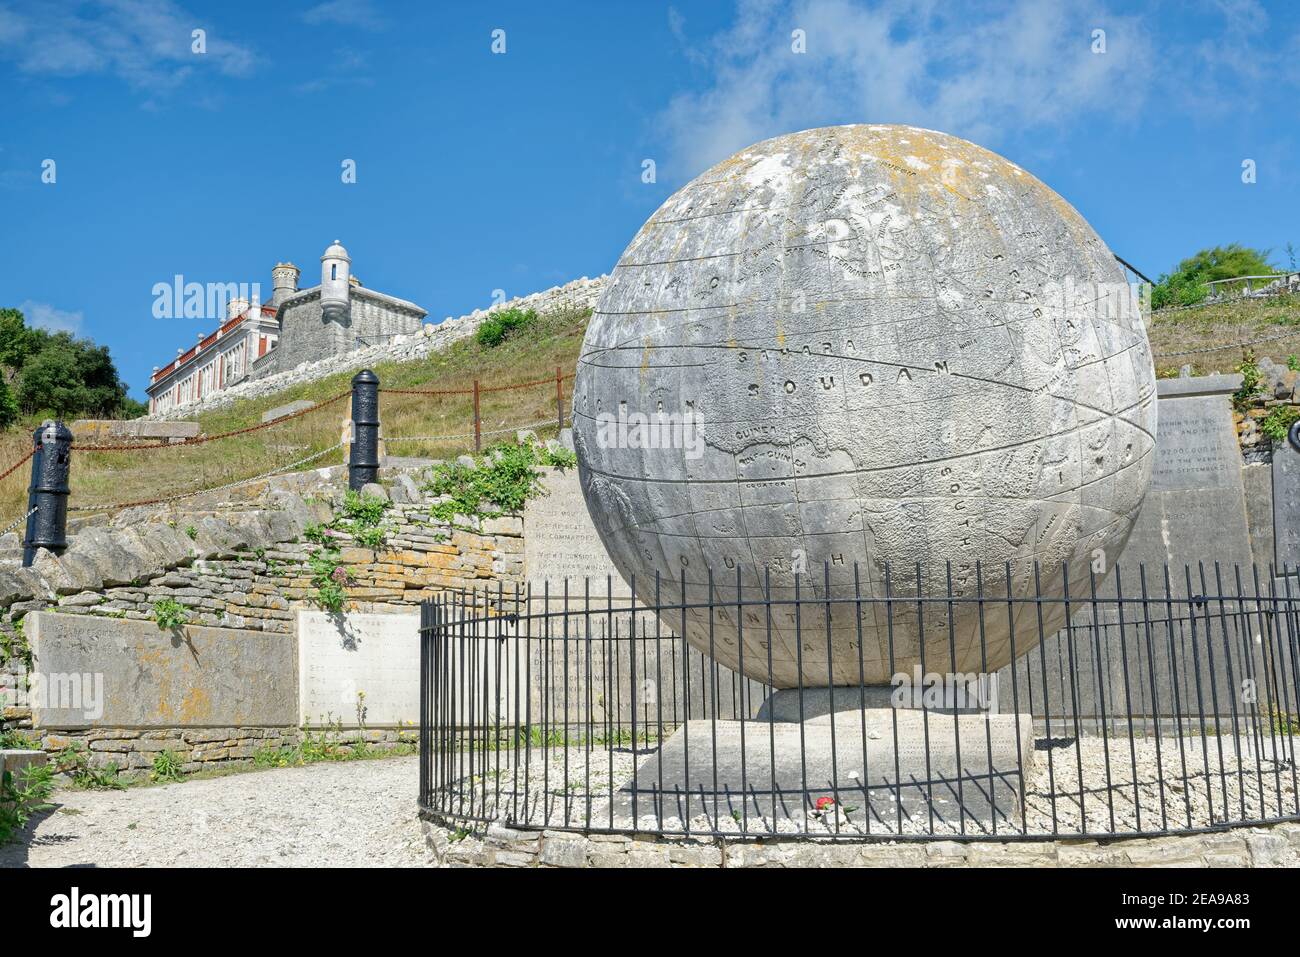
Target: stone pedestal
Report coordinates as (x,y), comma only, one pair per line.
(908,771)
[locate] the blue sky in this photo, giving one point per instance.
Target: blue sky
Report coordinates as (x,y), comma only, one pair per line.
(518,171)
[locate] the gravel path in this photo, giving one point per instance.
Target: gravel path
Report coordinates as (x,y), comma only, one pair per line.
(353,814)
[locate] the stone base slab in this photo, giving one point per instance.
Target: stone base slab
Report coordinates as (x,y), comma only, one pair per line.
(893,766)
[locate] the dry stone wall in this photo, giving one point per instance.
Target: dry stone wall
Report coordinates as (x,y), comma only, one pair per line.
(238,565)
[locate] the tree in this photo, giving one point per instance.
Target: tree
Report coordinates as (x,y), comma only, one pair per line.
(8,405)
(1187,284)
(50,380)
(17,341)
(58,373)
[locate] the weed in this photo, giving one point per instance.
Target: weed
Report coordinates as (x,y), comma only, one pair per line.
(166,767)
(330,581)
(22,796)
(1278,421)
(169,614)
(75,762)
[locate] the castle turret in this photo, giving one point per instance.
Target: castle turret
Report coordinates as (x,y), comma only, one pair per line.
(335,269)
(284,283)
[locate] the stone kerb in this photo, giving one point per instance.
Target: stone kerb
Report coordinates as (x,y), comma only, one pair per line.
(501,846)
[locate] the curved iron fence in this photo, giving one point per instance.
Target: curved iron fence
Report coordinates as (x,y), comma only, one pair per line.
(1167,704)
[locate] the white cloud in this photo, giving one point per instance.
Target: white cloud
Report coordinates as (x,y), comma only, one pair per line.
(973,72)
(346,13)
(146,43)
(42,315)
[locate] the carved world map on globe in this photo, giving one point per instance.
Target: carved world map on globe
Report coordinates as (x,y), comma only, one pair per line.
(897,350)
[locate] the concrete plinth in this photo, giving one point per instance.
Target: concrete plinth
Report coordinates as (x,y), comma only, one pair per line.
(907,770)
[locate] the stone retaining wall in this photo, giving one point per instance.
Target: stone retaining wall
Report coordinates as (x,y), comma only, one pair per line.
(239,565)
(498,846)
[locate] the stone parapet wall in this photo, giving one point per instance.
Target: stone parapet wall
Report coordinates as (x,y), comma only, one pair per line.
(499,846)
(578,294)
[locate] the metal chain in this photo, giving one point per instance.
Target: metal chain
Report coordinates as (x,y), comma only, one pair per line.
(1232,345)
(9,528)
(218,488)
(463,435)
(17,465)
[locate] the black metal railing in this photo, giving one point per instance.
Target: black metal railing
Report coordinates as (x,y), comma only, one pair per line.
(1139,702)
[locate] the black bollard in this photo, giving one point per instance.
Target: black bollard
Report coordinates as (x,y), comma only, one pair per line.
(48,493)
(363,461)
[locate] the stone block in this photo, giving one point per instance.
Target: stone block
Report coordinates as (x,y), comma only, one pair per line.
(280,411)
(341,657)
(95,672)
(560,540)
(1286,502)
(14,761)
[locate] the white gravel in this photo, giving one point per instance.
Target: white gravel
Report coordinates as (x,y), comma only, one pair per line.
(1243,788)
(348,814)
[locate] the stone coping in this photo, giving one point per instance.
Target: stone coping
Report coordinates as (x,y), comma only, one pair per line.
(1276,845)
(1188,386)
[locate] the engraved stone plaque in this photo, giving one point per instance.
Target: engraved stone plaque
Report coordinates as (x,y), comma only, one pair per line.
(1195,509)
(340,658)
(560,541)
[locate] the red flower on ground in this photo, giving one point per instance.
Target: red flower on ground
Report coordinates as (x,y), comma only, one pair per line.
(825,802)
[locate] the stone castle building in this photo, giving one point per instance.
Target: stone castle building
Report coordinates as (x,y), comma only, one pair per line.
(295,327)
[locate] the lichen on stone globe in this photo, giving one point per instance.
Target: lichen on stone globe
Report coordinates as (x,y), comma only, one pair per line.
(862,361)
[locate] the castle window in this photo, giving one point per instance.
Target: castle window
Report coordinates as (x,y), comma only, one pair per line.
(334,270)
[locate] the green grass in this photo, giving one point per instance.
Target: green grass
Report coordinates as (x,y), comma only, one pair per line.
(1214,333)
(552,340)
(330,744)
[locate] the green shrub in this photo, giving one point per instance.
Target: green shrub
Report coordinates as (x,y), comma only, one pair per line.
(1250,383)
(1187,285)
(502,324)
(362,517)
(23,795)
(11,739)
(501,481)
(169,614)
(561,458)
(366,510)
(1278,421)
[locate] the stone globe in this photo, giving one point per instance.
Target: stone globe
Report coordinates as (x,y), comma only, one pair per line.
(879,365)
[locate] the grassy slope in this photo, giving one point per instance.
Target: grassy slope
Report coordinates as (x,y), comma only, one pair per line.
(109,478)
(101,478)
(1221,328)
